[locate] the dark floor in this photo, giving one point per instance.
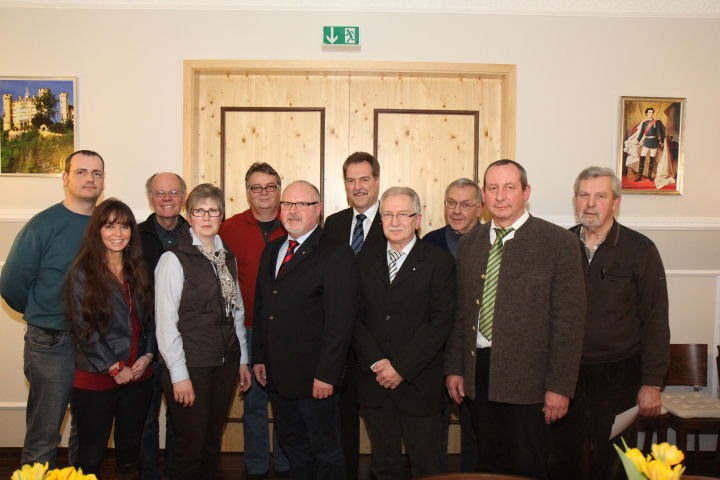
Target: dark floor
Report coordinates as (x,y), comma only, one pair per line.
(233,468)
(231,465)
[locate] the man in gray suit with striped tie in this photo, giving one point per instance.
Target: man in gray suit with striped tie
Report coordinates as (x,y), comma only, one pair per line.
(514,350)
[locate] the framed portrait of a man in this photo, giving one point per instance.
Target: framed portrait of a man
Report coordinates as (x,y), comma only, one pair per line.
(651,145)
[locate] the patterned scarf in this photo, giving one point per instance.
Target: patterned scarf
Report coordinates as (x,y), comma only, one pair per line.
(227,284)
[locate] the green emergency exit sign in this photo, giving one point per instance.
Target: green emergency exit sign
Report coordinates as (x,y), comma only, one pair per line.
(341,35)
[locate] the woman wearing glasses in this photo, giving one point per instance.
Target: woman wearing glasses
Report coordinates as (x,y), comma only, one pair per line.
(110,303)
(201,334)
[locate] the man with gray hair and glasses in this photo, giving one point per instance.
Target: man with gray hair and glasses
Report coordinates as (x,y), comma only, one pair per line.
(159,232)
(626,344)
(463,208)
(406,310)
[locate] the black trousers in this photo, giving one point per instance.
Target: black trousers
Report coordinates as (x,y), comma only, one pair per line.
(580,440)
(388,426)
(95,412)
(511,438)
(350,418)
(309,435)
(198,429)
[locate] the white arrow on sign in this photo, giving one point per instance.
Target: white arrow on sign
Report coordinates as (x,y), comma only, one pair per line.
(332,38)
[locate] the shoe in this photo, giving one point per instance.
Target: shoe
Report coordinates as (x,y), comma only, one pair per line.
(282,474)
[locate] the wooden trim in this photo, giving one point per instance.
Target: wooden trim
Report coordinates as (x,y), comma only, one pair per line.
(476,127)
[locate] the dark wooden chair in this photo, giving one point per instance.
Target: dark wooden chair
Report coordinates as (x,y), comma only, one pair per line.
(688,367)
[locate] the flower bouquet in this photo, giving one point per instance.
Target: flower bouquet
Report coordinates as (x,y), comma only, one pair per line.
(40,472)
(664,464)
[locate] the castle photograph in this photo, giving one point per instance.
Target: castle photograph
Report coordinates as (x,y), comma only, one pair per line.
(38,125)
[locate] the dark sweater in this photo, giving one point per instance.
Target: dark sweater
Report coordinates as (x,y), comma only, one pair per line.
(627,303)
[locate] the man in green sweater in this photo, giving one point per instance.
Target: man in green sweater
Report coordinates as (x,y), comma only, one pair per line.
(31,283)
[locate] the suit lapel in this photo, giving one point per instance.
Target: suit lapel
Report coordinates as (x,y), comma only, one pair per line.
(411,264)
(301,252)
(376,230)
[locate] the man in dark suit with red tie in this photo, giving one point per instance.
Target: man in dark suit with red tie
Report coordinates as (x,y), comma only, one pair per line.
(406,311)
(359,226)
(305,308)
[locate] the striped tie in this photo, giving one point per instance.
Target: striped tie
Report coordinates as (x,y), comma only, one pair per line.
(292,244)
(394,257)
(485,317)
(358,234)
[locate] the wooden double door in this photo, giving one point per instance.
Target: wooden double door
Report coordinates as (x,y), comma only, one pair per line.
(427,124)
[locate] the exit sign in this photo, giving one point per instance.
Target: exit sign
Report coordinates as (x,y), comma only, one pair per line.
(341,35)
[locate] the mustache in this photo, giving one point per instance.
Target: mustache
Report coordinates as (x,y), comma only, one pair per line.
(590,210)
(398,228)
(293,217)
(360,192)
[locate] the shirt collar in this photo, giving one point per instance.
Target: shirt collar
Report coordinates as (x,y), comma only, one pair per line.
(517,223)
(217,242)
(406,249)
(369,213)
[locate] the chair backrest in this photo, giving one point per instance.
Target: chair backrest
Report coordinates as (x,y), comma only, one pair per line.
(688,365)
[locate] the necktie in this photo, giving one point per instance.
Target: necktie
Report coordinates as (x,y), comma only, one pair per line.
(292,244)
(358,233)
(487,310)
(392,268)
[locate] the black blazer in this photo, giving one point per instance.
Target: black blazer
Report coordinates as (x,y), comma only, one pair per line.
(338,224)
(406,322)
(303,320)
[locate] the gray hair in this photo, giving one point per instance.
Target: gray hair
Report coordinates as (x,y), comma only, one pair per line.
(202,192)
(392,191)
(317,192)
(148,184)
(463,183)
(595,172)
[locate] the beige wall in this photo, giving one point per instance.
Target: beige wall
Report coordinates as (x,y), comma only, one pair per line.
(571,73)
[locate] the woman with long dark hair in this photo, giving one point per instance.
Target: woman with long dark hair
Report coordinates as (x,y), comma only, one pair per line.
(109,299)
(201,335)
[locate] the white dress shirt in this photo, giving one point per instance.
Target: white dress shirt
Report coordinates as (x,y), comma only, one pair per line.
(286,243)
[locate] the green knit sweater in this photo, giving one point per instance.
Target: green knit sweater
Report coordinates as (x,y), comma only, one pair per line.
(34,273)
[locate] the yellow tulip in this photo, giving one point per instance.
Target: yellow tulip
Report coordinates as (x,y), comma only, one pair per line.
(638,459)
(658,470)
(27,472)
(668,454)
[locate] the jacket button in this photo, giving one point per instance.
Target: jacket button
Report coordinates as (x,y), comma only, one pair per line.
(387,317)
(271,317)
(477,301)
(274,292)
(482,276)
(472,352)
(473,328)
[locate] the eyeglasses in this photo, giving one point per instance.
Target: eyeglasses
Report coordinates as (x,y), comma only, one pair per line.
(200,212)
(268,188)
(451,204)
(84,172)
(297,205)
(162,193)
(402,216)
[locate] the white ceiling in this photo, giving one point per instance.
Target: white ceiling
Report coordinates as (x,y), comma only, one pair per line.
(615,8)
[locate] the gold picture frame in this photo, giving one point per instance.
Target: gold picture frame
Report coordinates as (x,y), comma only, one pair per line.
(650,156)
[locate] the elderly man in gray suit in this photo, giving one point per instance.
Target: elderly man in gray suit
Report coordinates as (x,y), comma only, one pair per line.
(514,350)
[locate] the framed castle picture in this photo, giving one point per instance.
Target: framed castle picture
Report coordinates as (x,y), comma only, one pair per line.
(650,156)
(39,128)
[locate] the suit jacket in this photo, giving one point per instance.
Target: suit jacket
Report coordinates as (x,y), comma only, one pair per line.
(406,322)
(539,313)
(304,319)
(338,224)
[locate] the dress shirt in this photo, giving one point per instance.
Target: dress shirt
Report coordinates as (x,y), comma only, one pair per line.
(367,223)
(286,243)
(483,342)
(405,252)
(169,279)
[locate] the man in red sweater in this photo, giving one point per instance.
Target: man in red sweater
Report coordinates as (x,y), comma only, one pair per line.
(246,234)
